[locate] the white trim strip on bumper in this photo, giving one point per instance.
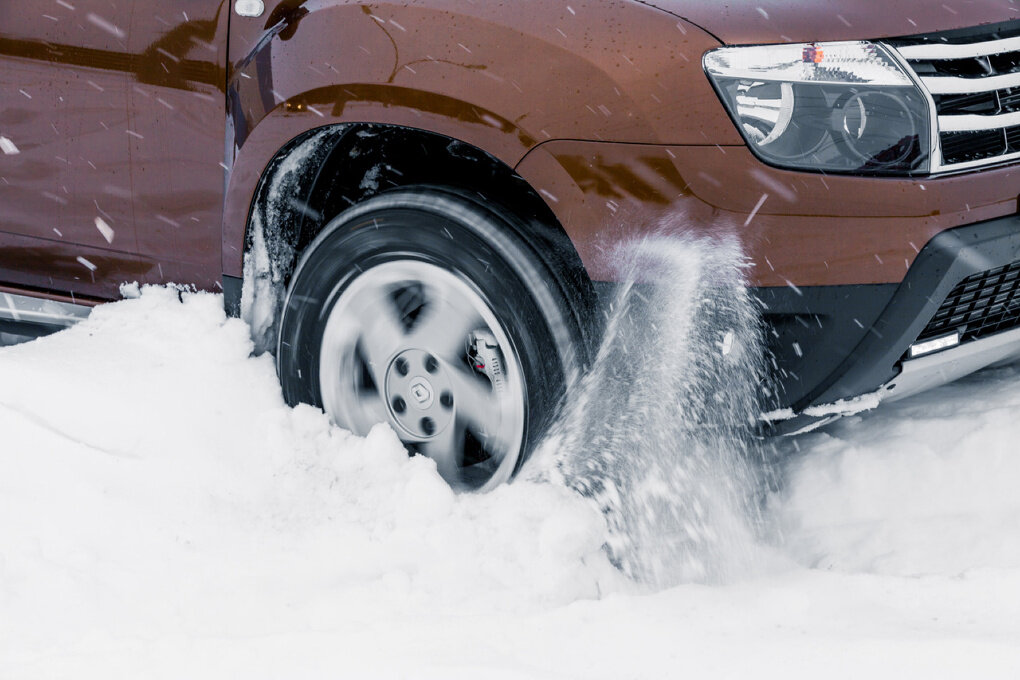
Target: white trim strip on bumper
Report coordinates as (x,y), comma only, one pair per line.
(932,370)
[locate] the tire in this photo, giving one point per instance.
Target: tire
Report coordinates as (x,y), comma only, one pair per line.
(426,310)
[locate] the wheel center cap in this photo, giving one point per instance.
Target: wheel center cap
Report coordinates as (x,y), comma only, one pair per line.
(422,394)
(419,394)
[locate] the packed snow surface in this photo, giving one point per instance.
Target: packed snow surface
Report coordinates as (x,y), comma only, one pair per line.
(163,514)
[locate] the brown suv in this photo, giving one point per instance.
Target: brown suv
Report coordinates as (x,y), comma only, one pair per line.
(415,199)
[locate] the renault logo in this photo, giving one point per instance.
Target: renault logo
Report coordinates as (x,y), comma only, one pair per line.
(421,393)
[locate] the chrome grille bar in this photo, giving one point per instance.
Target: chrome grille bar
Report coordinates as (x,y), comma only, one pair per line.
(936,51)
(972,123)
(950,85)
(973,85)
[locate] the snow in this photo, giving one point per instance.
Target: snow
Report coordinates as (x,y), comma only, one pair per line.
(105,229)
(86,263)
(8,146)
(163,514)
(656,418)
(846,407)
(925,486)
(106,25)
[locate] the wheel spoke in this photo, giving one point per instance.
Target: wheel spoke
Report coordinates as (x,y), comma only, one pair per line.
(496,441)
(445,324)
(381,337)
(447,450)
(370,410)
(476,402)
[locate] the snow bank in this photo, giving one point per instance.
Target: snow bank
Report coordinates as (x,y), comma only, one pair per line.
(153,483)
(924,486)
(163,514)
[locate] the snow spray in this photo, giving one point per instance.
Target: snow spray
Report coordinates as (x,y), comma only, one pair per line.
(660,432)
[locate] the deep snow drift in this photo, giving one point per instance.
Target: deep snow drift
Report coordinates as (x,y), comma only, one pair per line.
(164,515)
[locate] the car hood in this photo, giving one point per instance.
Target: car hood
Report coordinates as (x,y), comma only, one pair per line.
(769,21)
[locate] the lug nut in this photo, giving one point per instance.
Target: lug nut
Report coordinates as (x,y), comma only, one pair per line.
(401,366)
(431,365)
(428,426)
(446,399)
(399,405)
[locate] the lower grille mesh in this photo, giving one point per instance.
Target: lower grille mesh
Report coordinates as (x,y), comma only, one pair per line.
(961,147)
(980,305)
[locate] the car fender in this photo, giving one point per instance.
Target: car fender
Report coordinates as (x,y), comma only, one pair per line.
(475,72)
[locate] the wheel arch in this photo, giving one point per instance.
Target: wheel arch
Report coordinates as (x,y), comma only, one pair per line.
(324,171)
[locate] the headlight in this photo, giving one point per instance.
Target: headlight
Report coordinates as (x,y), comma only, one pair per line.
(837,107)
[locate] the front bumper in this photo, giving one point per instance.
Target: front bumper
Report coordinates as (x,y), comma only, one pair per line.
(878,363)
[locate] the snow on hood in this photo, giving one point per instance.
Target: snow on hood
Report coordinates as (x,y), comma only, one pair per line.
(771,21)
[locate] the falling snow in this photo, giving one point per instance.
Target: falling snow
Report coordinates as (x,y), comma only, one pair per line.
(105,25)
(86,263)
(8,146)
(105,229)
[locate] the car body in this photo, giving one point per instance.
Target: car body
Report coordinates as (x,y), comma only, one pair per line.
(143,144)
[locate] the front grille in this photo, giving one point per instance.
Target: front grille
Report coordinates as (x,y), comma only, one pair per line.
(980,305)
(965,147)
(973,77)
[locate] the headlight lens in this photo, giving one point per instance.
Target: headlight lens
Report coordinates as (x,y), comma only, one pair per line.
(836,107)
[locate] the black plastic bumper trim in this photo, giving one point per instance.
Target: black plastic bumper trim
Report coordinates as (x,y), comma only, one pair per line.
(947,259)
(810,330)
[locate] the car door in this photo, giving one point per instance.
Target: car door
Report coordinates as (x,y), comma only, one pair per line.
(177,109)
(112,122)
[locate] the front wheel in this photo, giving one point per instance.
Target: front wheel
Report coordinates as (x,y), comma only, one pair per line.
(429,312)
